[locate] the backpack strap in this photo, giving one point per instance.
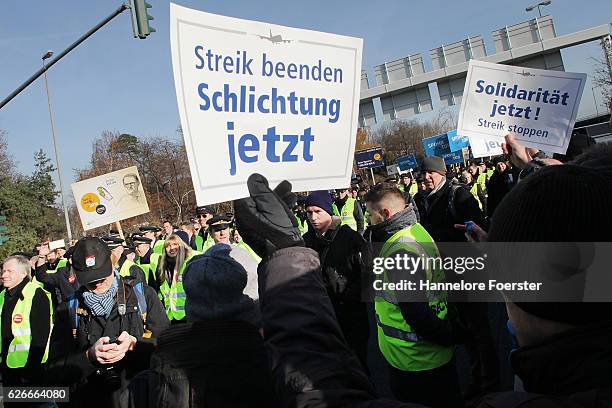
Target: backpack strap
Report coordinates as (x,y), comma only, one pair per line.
(73,305)
(142,302)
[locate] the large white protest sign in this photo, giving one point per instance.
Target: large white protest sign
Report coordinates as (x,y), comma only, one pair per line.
(111,197)
(538,106)
(259,97)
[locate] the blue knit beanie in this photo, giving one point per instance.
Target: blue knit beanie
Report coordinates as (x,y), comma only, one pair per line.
(321,199)
(214,283)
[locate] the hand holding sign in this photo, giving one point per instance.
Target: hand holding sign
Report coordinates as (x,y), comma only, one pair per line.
(264,219)
(539,107)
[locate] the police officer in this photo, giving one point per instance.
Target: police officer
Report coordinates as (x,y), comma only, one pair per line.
(113,323)
(151,232)
(121,264)
(219,229)
(147,259)
(203,214)
(25,324)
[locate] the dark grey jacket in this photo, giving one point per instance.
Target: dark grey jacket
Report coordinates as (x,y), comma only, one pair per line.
(310,360)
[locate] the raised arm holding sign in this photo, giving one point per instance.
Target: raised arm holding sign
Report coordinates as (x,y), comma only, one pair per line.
(539,107)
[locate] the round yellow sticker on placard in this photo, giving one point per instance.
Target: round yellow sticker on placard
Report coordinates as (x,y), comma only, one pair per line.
(376,156)
(90,201)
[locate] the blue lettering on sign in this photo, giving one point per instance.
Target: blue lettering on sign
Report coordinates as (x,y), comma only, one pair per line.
(248,146)
(456,142)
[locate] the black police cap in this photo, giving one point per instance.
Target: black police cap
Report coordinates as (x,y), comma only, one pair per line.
(137,239)
(205,209)
(149,228)
(112,242)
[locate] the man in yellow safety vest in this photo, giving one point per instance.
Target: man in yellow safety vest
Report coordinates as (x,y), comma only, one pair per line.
(26,316)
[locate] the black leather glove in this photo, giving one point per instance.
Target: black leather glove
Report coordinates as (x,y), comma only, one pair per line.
(264,219)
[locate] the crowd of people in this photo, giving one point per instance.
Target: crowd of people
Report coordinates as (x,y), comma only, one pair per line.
(268,306)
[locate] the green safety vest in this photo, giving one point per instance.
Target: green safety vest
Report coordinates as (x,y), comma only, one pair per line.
(398,342)
(125,268)
(208,243)
(151,267)
(62,262)
(300,225)
(490,173)
(199,243)
(173,296)
(414,188)
(158,247)
(474,191)
(346,215)
(20,326)
(482,180)
(242,244)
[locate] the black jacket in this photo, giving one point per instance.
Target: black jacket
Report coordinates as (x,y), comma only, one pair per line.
(345,258)
(572,369)
(438,219)
(497,187)
(215,364)
(40,328)
(70,366)
(311,362)
(62,284)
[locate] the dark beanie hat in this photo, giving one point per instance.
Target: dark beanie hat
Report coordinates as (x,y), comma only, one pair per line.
(433,163)
(214,285)
(183,236)
(321,199)
(564,203)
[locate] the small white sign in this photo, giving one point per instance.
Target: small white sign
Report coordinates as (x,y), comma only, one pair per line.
(539,107)
(393,170)
(111,197)
(262,98)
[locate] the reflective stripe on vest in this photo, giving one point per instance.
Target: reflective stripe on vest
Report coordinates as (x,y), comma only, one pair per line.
(396,333)
(173,296)
(19,348)
(398,342)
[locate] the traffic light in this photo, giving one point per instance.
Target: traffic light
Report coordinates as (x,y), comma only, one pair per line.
(3,230)
(141,18)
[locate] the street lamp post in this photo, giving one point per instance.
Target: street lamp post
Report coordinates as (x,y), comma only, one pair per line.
(46,56)
(542,3)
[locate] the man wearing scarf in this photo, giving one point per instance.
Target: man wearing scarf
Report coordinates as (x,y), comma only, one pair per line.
(112,334)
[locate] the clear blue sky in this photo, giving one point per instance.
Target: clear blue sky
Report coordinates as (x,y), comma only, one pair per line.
(116,82)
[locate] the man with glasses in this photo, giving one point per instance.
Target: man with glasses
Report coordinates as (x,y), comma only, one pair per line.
(134,196)
(203,214)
